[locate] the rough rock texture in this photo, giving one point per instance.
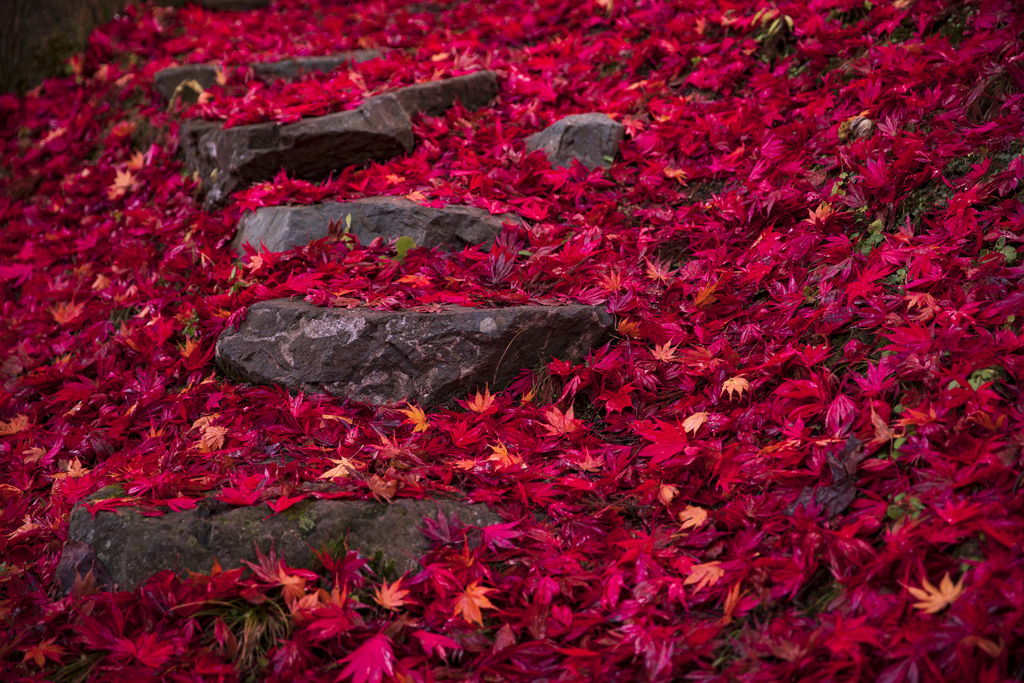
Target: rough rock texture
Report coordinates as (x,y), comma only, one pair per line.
(293,68)
(131,547)
(593,139)
(280,228)
(167,80)
(387,356)
(473,90)
(38,36)
(229,160)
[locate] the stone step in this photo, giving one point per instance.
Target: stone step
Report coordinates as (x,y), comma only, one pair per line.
(389,356)
(228,160)
(131,547)
(232,159)
(167,80)
(592,139)
(280,228)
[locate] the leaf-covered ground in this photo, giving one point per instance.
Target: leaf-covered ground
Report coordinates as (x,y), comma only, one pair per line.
(811,234)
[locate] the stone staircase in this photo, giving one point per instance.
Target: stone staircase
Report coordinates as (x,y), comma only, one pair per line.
(380,357)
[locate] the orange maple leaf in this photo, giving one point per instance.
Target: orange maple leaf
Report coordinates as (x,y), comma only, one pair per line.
(693,423)
(665,352)
(211,438)
(390,597)
(692,517)
(666,492)
(46,649)
(292,587)
(470,602)
(480,404)
(383,489)
(14,425)
(500,454)
(560,423)
(706,297)
(737,384)
(123,181)
(66,312)
(707,574)
(658,272)
(137,161)
(937,599)
(416,416)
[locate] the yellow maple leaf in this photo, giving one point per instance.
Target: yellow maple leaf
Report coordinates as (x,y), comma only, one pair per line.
(14,425)
(390,597)
(123,181)
(416,196)
(937,599)
(692,517)
(470,602)
(480,404)
(707,574)
(342,468)
(737,384)
(394,179)
(693,423)
(101,283)
(416,416)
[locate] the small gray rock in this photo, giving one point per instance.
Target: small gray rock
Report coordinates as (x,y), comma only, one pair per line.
(131,547)
(167,80)
(294,67)
(387,356)
(473,90)
(280,228)
(590,138)
(229,160)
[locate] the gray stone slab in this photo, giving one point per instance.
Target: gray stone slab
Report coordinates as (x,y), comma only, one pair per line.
(592,139)
(132,547)
(229,160)
(167,80)
(280,228)
(388,356)
(473,90)
(296,66)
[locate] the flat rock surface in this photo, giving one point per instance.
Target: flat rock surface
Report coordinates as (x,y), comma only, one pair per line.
(167,80)
(592,139)
(473,90)
(131,547)
(296,66)
(280,228)
(388,356)
(229,160)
